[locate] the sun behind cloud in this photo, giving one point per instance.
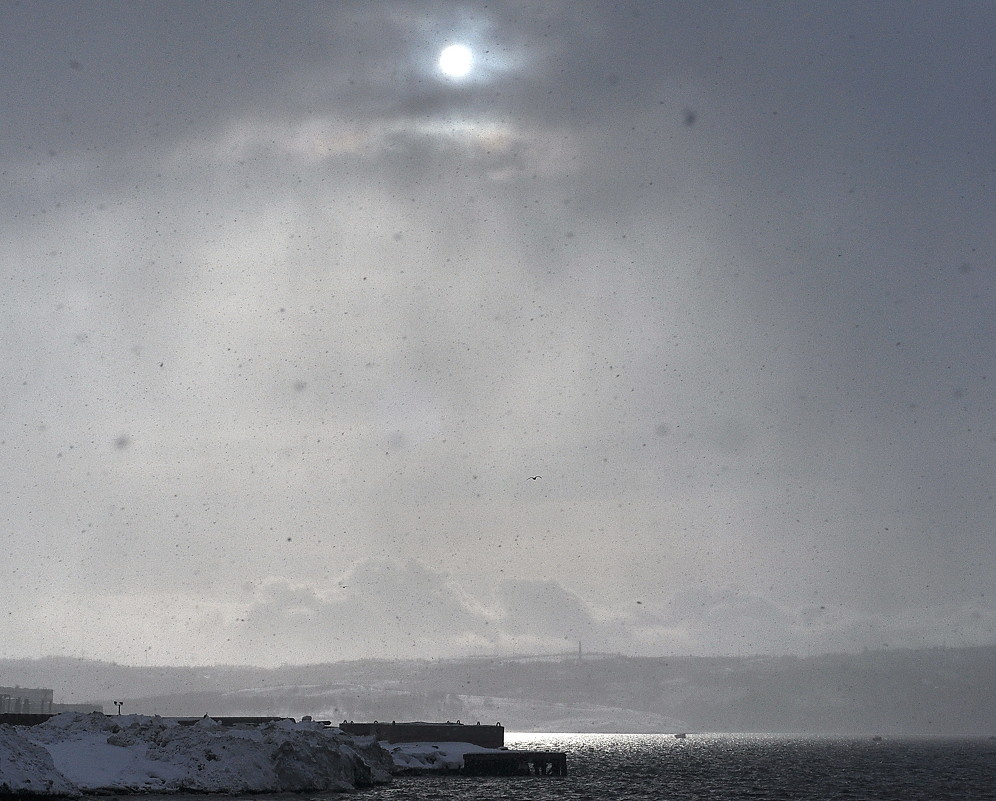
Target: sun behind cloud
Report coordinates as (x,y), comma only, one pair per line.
(456,60)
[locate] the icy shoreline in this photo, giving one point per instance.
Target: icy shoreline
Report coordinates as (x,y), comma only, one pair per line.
(74,754)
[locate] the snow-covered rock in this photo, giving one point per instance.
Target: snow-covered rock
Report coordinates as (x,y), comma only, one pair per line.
(71,754)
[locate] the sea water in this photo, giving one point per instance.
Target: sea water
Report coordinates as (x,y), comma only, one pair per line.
(723,767)
(713,767)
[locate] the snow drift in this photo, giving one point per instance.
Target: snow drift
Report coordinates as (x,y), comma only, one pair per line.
(430,757)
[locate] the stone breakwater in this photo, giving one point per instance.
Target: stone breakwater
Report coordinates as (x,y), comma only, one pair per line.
(75,754)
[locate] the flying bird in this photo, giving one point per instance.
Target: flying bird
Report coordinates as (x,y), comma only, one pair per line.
(533,478)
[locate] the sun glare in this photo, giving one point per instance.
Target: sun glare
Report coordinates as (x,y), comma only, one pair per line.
(456,61)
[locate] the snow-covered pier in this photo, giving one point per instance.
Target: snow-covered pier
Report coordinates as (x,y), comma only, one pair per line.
(485,736)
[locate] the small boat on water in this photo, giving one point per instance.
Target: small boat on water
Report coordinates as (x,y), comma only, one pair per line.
(681,735)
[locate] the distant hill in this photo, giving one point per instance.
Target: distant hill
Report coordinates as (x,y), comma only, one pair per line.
(929,691)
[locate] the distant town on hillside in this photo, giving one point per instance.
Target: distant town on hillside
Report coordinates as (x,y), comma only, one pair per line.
(929,691)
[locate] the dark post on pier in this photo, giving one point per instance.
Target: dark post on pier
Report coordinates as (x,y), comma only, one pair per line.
(515,763)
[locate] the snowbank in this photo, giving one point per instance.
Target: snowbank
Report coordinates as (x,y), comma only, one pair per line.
(418,757)
(27,768)
(72,754)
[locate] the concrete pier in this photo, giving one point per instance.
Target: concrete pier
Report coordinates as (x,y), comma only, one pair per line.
(515,763)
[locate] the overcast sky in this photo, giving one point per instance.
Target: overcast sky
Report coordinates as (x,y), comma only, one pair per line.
(290,317)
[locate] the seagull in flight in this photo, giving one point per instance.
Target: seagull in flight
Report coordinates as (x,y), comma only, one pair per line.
(533,478)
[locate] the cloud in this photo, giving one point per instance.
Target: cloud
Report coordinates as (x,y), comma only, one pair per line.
(721,621)
(543,610)
(387,608)
(406,609)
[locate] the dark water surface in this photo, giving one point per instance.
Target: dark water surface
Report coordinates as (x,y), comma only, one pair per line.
(729,766)
(717,767)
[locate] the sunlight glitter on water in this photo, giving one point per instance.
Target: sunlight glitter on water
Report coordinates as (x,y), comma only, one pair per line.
(723,767)
(717,767)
